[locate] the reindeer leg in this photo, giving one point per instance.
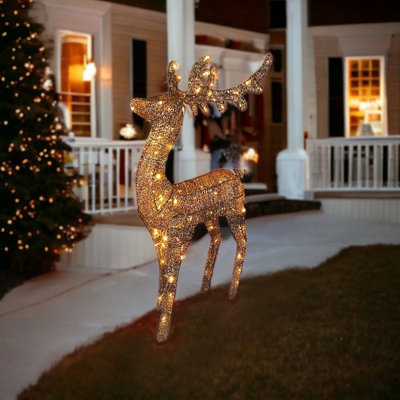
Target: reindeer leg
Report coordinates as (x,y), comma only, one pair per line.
(215,232)
(161,256)
(238,229)
(161,287)
(175,255)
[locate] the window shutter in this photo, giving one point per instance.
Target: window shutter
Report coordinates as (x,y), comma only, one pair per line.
(336,97)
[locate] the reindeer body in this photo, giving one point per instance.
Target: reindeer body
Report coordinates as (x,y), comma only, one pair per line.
(171,212)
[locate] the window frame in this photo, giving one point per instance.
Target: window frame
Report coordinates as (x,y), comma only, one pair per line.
(382,79)
(58,48)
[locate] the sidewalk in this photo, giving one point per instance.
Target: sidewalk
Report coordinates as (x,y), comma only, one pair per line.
(51,315)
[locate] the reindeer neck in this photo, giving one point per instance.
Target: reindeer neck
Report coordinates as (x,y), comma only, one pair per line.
(152,186)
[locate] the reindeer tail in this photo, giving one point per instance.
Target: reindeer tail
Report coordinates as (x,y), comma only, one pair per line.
(239,173)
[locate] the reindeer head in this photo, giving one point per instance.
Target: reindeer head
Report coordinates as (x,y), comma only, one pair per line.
(200,91)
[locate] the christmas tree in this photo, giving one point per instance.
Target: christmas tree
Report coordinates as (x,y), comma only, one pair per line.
(40,217)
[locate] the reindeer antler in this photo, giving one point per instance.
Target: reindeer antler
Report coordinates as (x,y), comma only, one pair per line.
(173,78)
(201,82)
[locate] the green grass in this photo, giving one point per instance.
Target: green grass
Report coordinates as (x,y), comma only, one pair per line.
(332,332)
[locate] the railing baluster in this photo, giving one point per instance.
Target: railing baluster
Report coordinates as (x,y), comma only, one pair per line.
(110,174)
(316,159)
(328,151)
(335,165)
(380,166)
(126,169)
(118,177)
(366,163)
(314,179)
(396,166)
(318,174)
(390,166)
(359,166)
(102,180)
(375,167)
(342,162)
(136,151)
(350,167)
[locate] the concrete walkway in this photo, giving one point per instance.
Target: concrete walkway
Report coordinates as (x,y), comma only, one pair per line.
(50,316)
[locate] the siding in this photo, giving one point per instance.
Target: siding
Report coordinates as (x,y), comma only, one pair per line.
(380,210)
(325,47)
(134,23)
(393,85)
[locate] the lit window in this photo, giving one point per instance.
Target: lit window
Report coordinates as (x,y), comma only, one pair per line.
(76,82)
(364,96)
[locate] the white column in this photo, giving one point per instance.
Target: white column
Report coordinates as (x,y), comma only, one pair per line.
(292,162)
(180,27)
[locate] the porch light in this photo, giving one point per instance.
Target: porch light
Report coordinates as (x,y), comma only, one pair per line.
(250,155)
(89,72)
(128,131)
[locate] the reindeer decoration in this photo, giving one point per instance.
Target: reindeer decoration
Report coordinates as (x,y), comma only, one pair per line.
(172,211)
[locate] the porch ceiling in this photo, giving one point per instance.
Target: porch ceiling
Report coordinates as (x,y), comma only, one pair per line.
(251,15)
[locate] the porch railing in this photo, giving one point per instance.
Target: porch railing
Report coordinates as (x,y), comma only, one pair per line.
(108,170)
(367,164)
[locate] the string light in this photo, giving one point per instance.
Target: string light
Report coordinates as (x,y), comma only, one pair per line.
(171,212)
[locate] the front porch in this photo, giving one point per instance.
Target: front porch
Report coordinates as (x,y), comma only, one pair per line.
(338,168)
(353,178)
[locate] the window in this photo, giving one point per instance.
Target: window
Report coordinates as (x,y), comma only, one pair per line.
(75,85)
(365,96)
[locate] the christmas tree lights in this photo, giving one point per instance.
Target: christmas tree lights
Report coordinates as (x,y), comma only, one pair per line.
(171,212)
(39,215)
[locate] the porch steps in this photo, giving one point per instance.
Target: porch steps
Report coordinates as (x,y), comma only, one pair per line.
(272,203)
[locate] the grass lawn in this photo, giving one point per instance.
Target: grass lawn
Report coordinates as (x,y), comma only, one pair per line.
(332,332)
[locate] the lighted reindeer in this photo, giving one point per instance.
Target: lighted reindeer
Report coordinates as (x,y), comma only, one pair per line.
(171,212)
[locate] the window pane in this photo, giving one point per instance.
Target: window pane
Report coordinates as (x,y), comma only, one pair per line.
(364,95)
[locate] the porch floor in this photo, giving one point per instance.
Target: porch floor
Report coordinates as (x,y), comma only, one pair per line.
(256,205)
(126,218)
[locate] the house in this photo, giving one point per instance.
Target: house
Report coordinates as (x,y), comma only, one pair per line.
(352,104)
(329,123)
